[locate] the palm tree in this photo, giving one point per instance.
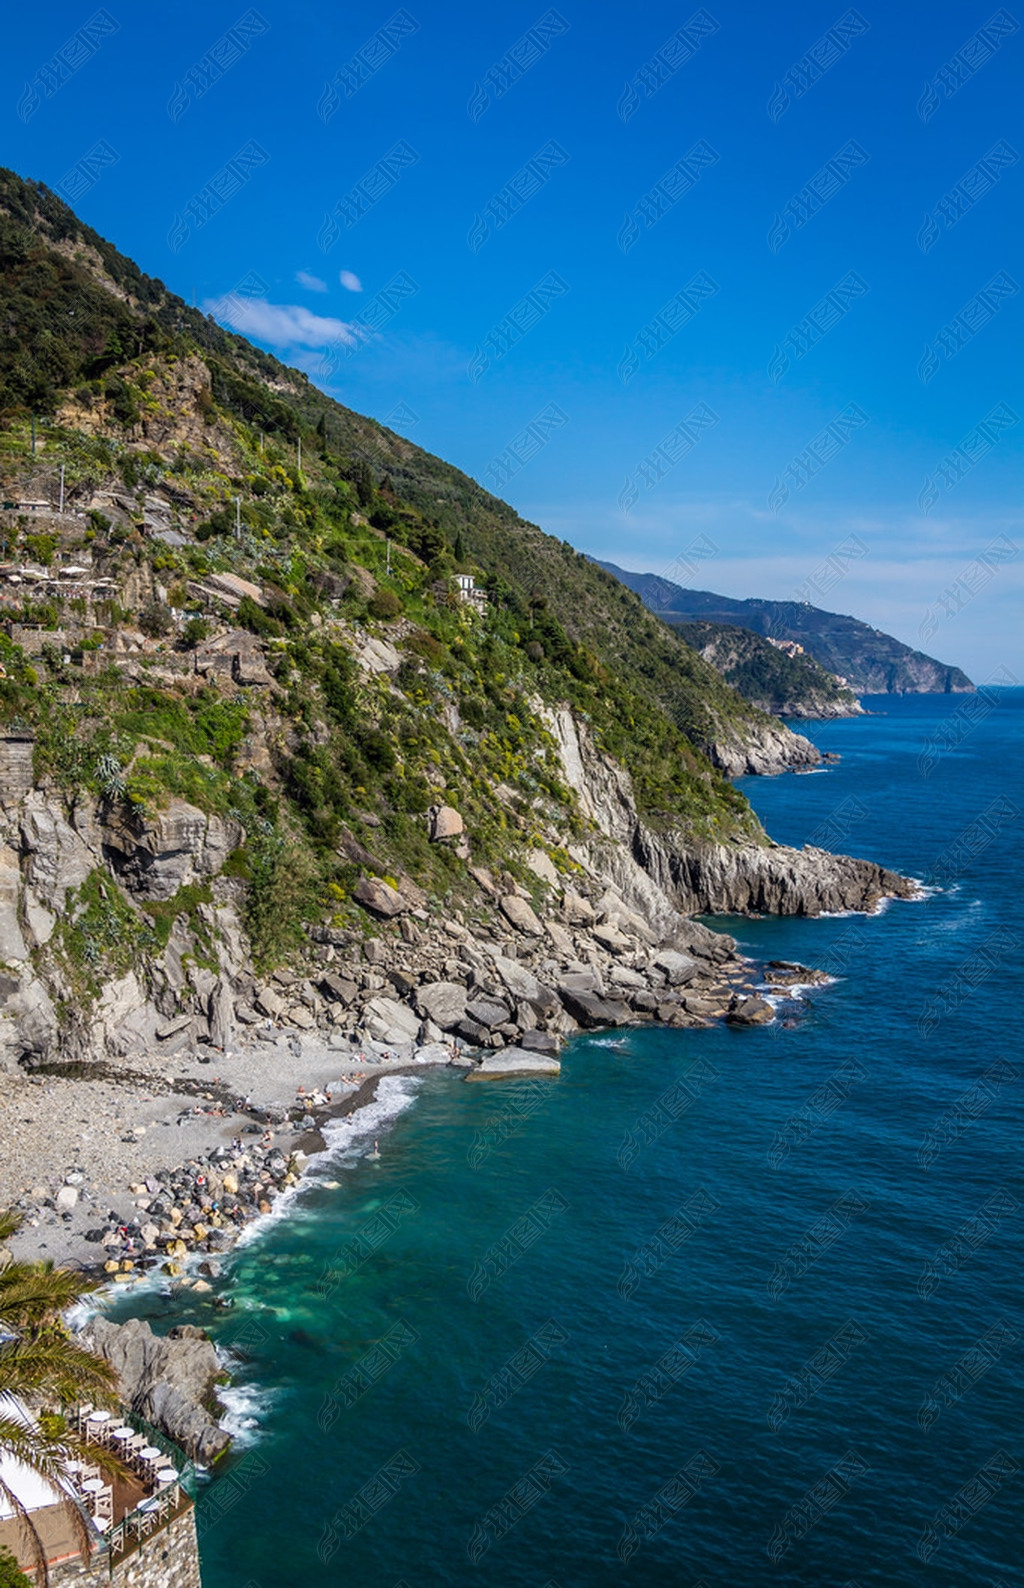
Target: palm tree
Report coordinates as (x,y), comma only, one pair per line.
(41,1367)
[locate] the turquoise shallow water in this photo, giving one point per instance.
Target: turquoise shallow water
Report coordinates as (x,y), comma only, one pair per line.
(716,1307)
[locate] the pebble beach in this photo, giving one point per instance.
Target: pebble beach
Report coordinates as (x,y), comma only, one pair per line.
(87,1154)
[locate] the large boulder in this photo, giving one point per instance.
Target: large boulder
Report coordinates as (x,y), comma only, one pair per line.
(521,915)
(339,989)
(391,1022)
(378,656)
(522,984)
(489,1012)
(560,939)
(540,1042)
(591,1011)
(577,910)
(445,822)
(584,980)
(168,1380)
(749,1012)
(511,1062)
(609,937)
(380,898)
(443,1002)
(269,1003)
(678,968)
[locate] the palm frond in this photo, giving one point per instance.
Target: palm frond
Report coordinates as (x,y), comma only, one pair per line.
(58,1368)
(30,1293)
(49,1454)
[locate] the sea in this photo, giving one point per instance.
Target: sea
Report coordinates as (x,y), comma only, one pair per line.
(720,1307)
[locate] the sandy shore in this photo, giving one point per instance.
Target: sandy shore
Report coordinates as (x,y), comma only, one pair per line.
(91,1140)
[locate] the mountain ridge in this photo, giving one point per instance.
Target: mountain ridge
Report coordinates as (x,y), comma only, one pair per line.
(871,662)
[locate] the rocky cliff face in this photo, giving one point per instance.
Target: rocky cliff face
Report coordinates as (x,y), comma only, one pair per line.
(148,899)
(55,866)
(763,751)
(719,879)
(663,878)
(168,1380)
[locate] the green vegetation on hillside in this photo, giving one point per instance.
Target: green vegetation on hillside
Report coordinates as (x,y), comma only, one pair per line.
(787,686)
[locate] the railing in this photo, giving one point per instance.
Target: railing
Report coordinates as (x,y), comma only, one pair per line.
(149,1518)
(186,1467)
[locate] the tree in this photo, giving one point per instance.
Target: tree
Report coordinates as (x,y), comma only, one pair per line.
(362,479)
(384,605)
(41,1366)
(11,1574)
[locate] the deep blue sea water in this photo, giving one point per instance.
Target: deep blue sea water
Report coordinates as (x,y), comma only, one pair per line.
(720,1307)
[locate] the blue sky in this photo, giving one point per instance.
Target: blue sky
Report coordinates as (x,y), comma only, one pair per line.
(809,196)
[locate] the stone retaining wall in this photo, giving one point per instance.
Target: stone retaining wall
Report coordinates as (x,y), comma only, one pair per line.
(167,1559)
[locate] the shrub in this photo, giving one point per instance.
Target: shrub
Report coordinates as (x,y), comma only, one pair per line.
(155,620)
(11,1574)
(251,616)
(196,630)
(41,548)
(384,605)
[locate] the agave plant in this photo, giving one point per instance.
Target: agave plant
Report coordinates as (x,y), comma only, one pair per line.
(41,1366)
(110,777)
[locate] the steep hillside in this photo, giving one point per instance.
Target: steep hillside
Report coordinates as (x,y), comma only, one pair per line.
(870,661)
(59,274)
(347,712)
(774,680)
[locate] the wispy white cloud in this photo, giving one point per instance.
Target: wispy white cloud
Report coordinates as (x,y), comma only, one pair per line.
(283,325)
(311,283)
(350,281)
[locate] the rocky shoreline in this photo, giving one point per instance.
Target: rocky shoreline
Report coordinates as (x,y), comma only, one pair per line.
(147,1126)
(163,1151)
(190,1159)
(192,1213)
(182,1151)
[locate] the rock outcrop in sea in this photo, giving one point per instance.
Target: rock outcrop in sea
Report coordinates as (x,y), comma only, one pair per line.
(170,1380)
